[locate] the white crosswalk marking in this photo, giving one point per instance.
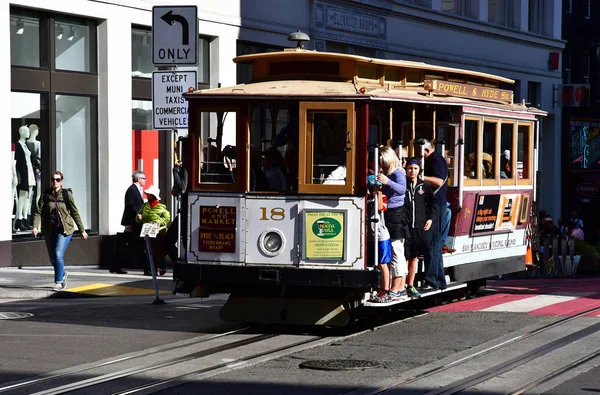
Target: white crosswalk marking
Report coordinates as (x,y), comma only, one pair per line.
(537,302)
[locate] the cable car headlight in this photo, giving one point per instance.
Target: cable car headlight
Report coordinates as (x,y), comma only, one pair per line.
(271,242)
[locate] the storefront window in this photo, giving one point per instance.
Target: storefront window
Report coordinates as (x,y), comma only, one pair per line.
(72,46)
(203,62)
(29,144)
(141,57)
(141,53)
(25,41)
(145,153)
(76,152)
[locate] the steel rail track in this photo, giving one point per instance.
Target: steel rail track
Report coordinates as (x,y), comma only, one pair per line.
(141,354)
(512,363)
(176,381)
(136,370)
(463,360)
(556,373)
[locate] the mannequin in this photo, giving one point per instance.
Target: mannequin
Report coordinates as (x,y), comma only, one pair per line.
(14,182)
(36,161)
(26,179)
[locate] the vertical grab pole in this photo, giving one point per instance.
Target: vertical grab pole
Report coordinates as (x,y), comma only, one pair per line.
(376,213)
(178,200)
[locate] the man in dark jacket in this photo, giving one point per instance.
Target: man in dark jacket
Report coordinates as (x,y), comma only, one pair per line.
(421,208)
(134,199)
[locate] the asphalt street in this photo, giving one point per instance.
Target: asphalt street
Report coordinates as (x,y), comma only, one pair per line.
(63,330)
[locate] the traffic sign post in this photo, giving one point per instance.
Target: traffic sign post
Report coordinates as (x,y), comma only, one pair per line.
(174,35)
(169,108)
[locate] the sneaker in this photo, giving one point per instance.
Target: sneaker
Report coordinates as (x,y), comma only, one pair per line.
(400,295)
(64,281)
(58,287)
(412,291)
(381,297)
(428,288)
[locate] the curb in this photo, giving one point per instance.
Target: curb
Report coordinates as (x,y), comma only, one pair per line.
(28,293)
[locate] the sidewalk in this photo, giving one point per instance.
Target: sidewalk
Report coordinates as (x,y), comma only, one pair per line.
(37,283)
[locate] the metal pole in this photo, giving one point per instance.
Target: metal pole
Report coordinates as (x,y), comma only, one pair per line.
(158,300)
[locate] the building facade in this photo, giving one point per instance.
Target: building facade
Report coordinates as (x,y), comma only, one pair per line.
(78,79)
(579,99)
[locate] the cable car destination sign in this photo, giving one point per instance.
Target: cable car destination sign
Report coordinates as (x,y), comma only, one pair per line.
(469,91)
(169,108)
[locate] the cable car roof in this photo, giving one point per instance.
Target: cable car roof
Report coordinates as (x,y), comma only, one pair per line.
(301,53)
(341,91)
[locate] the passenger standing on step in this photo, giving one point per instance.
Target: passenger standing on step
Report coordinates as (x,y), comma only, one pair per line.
(436,175)
(421,206)
(393,180)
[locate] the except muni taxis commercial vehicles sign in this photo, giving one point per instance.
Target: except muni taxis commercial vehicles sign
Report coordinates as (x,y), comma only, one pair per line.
(169,108)
(174,35)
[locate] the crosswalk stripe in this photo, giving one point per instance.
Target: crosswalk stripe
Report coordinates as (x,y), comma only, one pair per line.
(572,307)
(537,302)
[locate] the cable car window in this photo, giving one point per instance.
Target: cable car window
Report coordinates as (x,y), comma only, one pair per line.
(444,140)
(523,151)
(488,156)
(329,143)
(506,150)
(273,133)
(471,155)
(218,159)
(326,148)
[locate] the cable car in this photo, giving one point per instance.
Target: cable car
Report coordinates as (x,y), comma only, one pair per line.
(276,205)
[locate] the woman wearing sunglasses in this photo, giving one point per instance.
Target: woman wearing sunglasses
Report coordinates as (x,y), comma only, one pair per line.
(57,214)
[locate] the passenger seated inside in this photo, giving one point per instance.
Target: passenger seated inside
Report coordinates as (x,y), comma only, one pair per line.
(336,177)
(505,165)
(487,166)
(470,170)
(272,164)
(217,168)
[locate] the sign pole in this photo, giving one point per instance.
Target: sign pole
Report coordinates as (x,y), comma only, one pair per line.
(150,230)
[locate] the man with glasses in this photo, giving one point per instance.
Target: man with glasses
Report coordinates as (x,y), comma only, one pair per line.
(134,199)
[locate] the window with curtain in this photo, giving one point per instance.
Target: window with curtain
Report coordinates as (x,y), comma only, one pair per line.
(76,152)
(502,12)
(466,8)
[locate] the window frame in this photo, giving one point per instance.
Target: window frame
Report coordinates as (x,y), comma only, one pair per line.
(242,132)
(513,150)
(305,157)
(530,152)
(495,155)
(473,182)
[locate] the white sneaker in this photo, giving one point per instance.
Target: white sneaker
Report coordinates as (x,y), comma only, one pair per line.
(64,281)
(58,287)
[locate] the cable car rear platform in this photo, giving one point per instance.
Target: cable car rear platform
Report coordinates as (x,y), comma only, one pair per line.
(450,288)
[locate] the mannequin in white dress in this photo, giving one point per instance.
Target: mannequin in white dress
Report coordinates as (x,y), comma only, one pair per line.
(36,160)
(26,179)
(14,182)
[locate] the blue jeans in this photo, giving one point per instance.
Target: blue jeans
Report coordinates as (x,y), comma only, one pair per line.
(57,244)
(434,264)
(445,225)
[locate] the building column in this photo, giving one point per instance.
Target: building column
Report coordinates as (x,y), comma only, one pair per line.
(483,11)
(6,201)
(524,13)
(114,120)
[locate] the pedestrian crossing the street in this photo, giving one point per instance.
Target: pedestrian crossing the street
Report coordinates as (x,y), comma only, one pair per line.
(543,297)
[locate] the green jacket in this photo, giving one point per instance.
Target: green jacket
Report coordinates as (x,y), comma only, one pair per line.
(67,211)
(159,214)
